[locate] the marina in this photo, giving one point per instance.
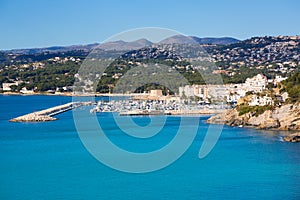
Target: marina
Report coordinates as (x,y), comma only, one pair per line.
(125,107)
(134,107)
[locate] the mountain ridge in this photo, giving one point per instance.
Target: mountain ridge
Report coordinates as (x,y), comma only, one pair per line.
(181,39)
(127,45)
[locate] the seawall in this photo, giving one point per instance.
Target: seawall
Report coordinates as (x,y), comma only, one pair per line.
(47,114)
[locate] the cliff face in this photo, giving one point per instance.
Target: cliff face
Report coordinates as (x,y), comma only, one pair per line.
(286,117)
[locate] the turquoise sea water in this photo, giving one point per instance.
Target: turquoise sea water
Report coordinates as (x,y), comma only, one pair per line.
(49,161)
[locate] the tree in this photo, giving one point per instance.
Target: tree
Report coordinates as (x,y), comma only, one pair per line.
(13,88)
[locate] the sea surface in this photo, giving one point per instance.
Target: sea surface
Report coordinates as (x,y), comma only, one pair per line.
(49,161)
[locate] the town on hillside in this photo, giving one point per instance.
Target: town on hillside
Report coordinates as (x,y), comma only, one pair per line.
(252,70)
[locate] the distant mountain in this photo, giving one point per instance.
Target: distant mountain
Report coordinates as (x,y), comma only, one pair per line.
(181,39)
(220,41)
(54,49)
(122,45)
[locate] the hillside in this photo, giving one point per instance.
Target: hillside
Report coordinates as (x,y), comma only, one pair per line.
(292,86)
(236,61)
(258,51)
(122,45)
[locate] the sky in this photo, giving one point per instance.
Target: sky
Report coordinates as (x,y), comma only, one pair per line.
(41,23)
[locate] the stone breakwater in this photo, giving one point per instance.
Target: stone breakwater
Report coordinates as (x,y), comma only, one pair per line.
(33,117)
(286,117)
(47,114)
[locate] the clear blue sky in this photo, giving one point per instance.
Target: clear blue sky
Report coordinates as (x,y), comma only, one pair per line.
(40,23)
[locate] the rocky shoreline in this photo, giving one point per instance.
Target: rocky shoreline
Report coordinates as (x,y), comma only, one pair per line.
(286,118)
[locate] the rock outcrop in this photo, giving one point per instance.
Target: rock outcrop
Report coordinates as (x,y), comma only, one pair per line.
(292,137)
(286,117)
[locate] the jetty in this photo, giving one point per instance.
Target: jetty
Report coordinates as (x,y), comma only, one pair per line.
(47,114)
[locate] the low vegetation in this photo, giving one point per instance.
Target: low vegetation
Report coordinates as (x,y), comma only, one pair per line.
(292,86)
(254,110)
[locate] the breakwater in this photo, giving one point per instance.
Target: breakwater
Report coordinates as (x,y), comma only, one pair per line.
(47,114)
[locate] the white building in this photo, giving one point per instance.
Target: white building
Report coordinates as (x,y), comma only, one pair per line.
(256,84)
(278,79)
(187,91)
(233,97)
(201,91)
(256,100)
(231,92)
(234,92)
(25,91)
(217,92)
(6,86)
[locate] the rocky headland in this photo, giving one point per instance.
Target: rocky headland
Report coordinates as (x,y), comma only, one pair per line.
(285,117)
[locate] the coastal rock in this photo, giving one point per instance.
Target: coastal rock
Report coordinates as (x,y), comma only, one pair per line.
(292,138)
(266,121)
(269,123)
(286,117)
(224,117)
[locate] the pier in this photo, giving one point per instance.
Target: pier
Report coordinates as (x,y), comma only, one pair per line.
(47,114)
